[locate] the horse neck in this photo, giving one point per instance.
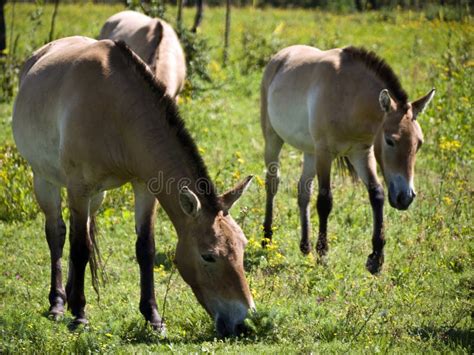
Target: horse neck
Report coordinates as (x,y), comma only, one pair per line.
(158,157)
(365,105)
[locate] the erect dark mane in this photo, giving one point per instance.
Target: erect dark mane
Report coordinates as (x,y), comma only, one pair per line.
(176,124)
(381,69)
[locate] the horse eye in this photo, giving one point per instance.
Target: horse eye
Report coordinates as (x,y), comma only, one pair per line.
(389,142)
(208,258)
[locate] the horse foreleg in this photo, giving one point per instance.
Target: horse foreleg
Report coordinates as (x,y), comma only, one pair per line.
(49,200)
(305,188)
(365,166)
(376,258)
(145,206)
(324,202)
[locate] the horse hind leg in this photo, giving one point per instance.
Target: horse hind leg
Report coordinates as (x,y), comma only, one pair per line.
(81,248)
(324,202)
(49,200)
(273,145)
(305,188)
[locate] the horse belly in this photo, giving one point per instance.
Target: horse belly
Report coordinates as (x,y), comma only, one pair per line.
(289,117)
(37,139)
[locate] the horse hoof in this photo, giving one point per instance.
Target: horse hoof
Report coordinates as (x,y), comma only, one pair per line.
(374,263)
(266,242)
(159,327)
(322,260)
(322,251)
(55,315)
(305,248)
(77,323)
(80,321)
(56,311)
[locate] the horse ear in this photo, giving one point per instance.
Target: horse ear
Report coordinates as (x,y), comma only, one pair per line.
(228,198)
(189,202)
(385,101)
(418,106)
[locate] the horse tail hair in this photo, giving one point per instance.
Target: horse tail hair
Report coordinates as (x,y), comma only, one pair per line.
(95,260)
(271,70)
(344,165)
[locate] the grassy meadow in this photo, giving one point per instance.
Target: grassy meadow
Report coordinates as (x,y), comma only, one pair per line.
(421,302)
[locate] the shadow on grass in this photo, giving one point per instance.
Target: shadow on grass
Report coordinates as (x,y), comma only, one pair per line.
(164,258)
(454,336)
(140,332)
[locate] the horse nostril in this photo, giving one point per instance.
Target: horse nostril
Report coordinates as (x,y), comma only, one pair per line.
(413,193)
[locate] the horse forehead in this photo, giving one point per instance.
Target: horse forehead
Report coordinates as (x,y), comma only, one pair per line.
(403,125)
(228,231)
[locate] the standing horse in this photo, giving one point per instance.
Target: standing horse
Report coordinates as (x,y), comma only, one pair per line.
(154,41)
(340,103)
(90,117)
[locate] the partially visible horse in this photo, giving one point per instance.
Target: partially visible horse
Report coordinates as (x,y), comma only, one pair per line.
(90,117)
(341,103)
(155,41)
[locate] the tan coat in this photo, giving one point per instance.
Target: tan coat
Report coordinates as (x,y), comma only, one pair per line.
(155,41)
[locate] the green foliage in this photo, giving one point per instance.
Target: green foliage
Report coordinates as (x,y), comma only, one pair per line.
(9,70)
(17,201)
(258,48)
(152,8)
(196,49)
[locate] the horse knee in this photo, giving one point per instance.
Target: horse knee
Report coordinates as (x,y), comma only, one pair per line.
(376,196)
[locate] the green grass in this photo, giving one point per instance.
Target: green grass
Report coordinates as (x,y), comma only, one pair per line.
(421,302)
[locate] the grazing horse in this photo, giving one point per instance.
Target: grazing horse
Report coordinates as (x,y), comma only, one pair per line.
(90,117)
(154,41)
(342,103)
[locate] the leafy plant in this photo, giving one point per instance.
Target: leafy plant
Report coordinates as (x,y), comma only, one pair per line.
(197,49)
(16,186)
(257,49)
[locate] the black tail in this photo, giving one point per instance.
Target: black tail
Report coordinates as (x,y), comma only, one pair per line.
(344,165)
(95,259)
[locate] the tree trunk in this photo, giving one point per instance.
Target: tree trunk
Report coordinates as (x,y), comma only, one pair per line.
(227,32)
(3,33)
(358,5)
(179,19)
(199,15)
(373,4)
(53,20)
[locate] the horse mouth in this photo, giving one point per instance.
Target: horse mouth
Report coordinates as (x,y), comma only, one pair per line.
(399,203)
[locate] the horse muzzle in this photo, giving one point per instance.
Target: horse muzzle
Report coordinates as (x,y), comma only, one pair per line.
(402,198)
(231,321)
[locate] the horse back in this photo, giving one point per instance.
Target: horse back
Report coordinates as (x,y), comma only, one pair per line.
(61,100)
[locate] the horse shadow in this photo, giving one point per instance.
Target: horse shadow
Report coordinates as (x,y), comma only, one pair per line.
(454,336)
